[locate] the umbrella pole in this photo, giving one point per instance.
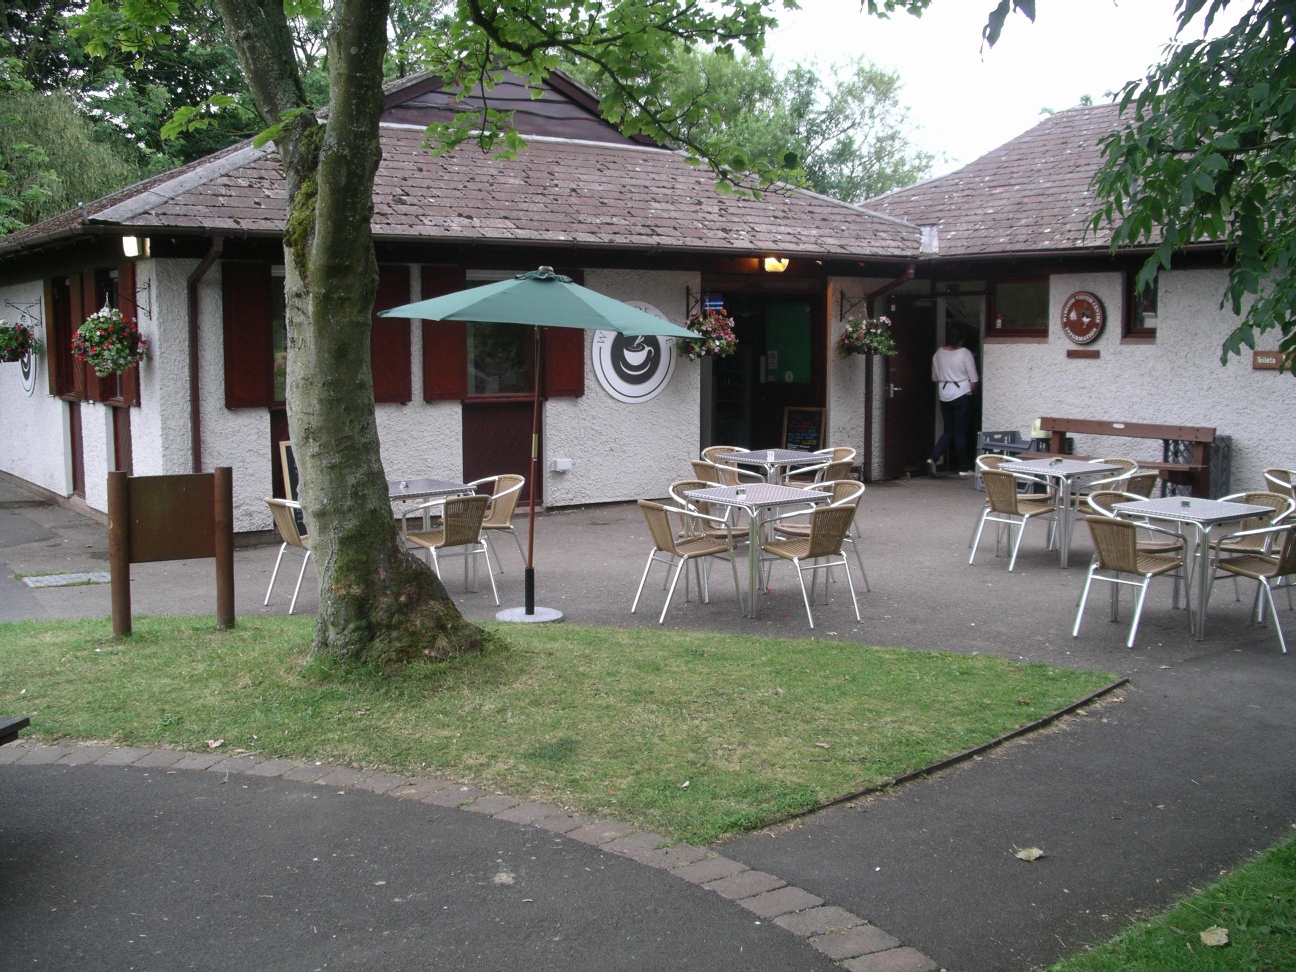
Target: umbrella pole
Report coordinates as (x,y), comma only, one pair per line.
(529,582)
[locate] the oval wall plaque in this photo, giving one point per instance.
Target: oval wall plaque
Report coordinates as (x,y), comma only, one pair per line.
(634,369)
(1083,317)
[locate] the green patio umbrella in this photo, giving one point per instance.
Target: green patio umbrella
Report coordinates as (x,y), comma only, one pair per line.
(541,298)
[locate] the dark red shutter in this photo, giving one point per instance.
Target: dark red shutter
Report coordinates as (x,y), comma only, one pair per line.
(389,339)
(249,354)
(126,299)
(564,362)
(445,343)
(89,385)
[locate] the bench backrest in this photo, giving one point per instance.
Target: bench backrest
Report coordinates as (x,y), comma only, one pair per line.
(1130,430)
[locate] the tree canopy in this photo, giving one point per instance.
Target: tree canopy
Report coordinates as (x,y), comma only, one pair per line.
(846,131)
(1208,153)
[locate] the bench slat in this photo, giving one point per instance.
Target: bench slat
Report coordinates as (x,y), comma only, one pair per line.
(1130,430)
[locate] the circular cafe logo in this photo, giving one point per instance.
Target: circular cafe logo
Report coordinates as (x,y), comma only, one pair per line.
(1083,317)
(634,369)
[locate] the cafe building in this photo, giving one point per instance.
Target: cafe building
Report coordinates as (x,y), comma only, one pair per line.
(194,256)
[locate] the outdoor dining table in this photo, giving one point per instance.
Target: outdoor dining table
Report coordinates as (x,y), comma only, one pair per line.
(772,460)
(1064,471)
(757,499)
(407,490)
(1205,515)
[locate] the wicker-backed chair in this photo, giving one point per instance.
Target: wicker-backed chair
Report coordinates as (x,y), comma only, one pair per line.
(710,452)
(1142,483)
(723,475)
(671,549)
(844,492)
(1281,481)
(1246,540)
(1114,480)
(1005,505)
(1275,565)
(1116,550)
(292,528)
(505,491)
(461,527)
(830,464)
(725,517)
(821,547)
(1171,544)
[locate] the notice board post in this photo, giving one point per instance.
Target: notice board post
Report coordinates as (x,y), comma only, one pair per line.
(186,517)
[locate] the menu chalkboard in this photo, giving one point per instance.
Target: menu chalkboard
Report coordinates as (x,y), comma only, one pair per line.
(803,428)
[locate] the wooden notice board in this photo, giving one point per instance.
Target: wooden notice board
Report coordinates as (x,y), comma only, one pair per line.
(803,428)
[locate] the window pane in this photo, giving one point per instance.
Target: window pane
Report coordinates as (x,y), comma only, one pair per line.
(501,359)
(279,337)
(1022,305)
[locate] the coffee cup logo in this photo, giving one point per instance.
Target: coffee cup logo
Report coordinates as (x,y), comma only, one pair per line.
(633,368)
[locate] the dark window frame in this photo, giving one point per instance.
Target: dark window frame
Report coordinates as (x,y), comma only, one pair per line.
(992,307)
(1132,325)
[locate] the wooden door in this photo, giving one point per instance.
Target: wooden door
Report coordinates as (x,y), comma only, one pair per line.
(78,449)
(909,394)
(497,439)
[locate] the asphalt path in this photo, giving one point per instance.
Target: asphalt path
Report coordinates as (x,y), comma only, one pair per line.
(120,868)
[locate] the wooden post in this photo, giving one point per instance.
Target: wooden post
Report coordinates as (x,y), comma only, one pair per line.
(223,501)
(119,552)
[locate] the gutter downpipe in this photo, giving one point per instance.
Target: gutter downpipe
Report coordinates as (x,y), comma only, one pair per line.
(195,416)
(871,296)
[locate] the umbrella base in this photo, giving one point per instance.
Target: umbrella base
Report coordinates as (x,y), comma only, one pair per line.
(541,616)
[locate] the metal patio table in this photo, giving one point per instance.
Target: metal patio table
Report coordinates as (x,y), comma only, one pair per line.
(754,499)
(1064,471)
(407,490)
(1205,515)
(772,460)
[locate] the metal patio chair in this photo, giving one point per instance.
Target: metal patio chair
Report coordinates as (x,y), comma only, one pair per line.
(1277,564)
(845,492)
(1173,544)
(461,528)
(1116,550)
(1281,480)
(292,528)
(505,490)
(673,551)
(821,547)
(1005,505)
(1246,540)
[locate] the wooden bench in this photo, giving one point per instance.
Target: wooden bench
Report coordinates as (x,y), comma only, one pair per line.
(1195,473)
(10,726)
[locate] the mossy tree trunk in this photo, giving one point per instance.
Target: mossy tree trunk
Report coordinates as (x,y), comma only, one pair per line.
(377,602)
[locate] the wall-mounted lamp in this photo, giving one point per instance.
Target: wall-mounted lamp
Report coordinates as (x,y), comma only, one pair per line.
(134,246)
(776,264)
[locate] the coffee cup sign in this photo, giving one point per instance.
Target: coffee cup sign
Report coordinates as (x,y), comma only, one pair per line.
(633,369)
(1083,317)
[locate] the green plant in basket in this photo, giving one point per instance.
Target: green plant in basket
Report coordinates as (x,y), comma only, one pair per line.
(864,335)
(16,340)
(108,342)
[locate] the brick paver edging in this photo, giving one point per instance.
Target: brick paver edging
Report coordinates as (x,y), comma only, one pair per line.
(843,937)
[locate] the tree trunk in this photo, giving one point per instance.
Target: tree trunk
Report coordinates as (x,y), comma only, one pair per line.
(378,604)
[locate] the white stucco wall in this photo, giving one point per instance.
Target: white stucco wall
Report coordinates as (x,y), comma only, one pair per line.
(160,426)
(1178,379)
(621,451)
(35,445)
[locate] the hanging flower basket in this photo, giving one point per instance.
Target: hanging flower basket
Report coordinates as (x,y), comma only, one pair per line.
(716,328)
(16,340)
(108,342)
(864,335)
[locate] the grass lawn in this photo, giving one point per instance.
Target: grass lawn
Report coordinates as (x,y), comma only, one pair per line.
(694,735)
(1256,904)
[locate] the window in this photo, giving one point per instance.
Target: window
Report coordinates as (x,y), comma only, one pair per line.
(1141,308)
(1019,308)
(501,359)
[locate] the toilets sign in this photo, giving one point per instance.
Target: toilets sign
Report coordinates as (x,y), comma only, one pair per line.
(634,369)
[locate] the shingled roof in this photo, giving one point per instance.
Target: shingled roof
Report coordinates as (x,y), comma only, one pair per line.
(1029,195)
(569,191)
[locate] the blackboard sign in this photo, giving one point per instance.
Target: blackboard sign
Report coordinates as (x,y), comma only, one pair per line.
(803,429)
